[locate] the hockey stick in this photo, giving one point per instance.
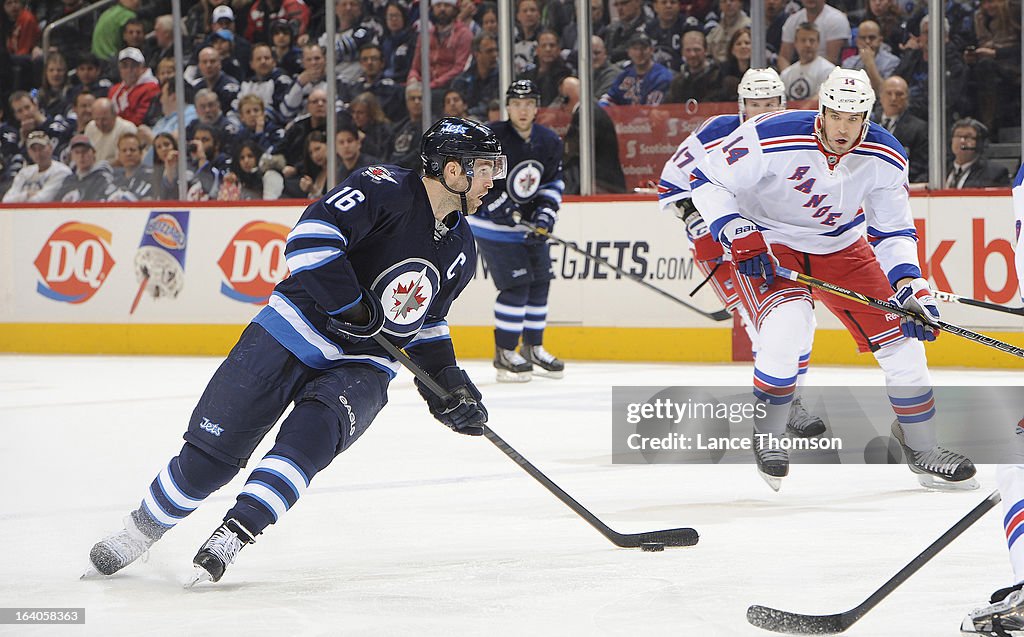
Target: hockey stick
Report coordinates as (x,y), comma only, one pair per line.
(949,297)
(781,621)
(720,315)
(667,537)
(885,306)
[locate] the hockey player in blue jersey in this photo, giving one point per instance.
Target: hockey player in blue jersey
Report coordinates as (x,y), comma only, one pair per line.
(760,91)
(386,252)
(1005,613)
(518,260)
(796,188)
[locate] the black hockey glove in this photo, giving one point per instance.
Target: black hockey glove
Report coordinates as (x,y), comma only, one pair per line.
(359,322)
(462,410)
(544,219)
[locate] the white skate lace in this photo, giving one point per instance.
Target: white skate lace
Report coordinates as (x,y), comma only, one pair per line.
(512,357)
(128,544)
(224,544)
(542,354)
(938,460)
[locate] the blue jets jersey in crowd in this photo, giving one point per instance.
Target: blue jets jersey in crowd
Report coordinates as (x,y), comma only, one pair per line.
(630,90)
(374,231)
(534,182)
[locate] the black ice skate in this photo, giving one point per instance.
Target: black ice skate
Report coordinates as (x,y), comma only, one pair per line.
(543,361)
(772,459)
(803,424)
(121,548)
(938,468)
(511,366)
(1003,617)
(219,551)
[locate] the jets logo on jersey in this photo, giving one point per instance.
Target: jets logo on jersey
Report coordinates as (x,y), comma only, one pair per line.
(524,180)
(405,291)
(379,174)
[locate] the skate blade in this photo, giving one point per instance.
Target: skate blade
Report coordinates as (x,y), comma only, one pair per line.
(505,376)
(967,627)
(198,577)
(772,481)
(938,484)
(546,374)
(91,573)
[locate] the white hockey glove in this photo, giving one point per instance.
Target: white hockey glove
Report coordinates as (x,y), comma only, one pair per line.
(916,297)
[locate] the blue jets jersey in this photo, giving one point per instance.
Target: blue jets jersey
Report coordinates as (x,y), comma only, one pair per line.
(374,231)
(534,182)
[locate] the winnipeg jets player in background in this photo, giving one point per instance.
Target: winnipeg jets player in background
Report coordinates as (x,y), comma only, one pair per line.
(1005,611)
(518,260)
(795,188)
(386,252)
(760,91)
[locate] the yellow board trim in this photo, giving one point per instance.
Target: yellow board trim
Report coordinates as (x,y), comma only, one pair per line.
(705,345)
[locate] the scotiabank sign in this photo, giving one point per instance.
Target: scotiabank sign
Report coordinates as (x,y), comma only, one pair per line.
(74,262)
(253,262)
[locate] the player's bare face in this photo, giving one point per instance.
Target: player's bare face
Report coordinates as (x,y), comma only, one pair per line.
(522,112)
(755,106)
(841,131)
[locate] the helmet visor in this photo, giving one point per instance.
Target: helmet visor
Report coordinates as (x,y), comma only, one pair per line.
(493,167)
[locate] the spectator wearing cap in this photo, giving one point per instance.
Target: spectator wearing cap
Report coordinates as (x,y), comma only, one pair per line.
(223,19)
(550,69)
(106,128)
(353,31)
(701,77)
(90,180)
(161,44)
(212,77)
(282,42)
(137,88)
(389,94)
(87,76)
(479,84)
(263,14)
(665,31)
(450,46)
(644,81)
(631,21)
(106,38)
(267,81)
(30,118)
(732,19)
(42,179)
(833,31)
(223,42)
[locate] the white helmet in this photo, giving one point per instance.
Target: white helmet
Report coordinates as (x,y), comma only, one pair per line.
(760,84)
(847,91)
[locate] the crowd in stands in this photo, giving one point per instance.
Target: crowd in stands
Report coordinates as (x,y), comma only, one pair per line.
(94,117)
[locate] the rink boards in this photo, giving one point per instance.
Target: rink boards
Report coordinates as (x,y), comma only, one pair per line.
(71,281)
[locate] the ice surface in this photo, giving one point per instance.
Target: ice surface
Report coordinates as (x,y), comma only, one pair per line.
(419,531)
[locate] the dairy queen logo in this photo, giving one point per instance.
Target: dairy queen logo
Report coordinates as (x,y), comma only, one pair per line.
(405,291)
(74,262)
(253,262)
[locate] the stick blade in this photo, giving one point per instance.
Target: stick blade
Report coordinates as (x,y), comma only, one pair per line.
(668,537)
(781,621)
(721,315)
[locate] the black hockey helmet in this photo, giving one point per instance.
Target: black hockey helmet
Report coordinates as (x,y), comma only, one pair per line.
(461,139)
(523,89)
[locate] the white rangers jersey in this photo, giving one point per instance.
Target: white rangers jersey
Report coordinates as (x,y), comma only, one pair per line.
(675,176)
(773,168)
(1018,212)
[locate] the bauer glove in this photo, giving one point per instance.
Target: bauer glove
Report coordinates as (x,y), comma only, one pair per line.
(359,322)
(917,297)
(544,219)
(749,251)
(461,409)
